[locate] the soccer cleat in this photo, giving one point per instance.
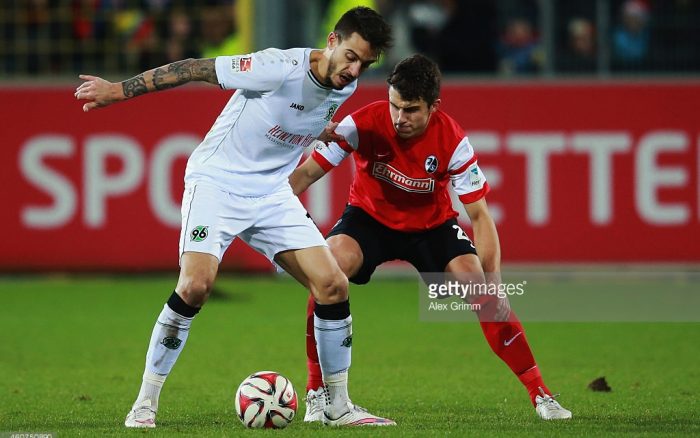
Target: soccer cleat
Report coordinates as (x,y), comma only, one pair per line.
(549,409)
(141,416)
(315,403)
(356,416)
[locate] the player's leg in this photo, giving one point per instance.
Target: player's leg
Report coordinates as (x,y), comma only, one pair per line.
(332,320)
(348,254)
(170,333)
(201,247)
(503,331)
(506,337)
(446,249)
(286,234)
(359,244)
(296,244)
(332,331)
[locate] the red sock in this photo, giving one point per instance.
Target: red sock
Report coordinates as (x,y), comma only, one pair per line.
(507,340)
(314,379)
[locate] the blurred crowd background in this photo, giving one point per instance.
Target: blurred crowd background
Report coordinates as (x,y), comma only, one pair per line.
(501,38)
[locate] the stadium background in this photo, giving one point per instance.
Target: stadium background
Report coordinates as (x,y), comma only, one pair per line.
(584,115)
(587,129)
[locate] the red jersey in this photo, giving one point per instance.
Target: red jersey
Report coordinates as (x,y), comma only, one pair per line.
(403,183)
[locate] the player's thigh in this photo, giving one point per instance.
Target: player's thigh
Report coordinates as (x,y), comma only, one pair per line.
(282,224)
(212,218)
(360,244)
(445,248)
(286,235)
(316,269)
(347,252)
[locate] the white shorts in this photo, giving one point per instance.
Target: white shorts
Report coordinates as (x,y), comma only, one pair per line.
(212,218)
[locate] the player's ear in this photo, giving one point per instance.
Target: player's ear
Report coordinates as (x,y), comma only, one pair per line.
(333,40)
(434,107)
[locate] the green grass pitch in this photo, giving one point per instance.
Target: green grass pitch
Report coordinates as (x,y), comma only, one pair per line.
(72,352)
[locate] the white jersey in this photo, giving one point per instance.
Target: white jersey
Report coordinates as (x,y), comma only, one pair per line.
(258,139)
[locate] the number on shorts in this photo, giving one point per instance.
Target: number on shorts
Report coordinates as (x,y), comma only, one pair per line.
(461,235)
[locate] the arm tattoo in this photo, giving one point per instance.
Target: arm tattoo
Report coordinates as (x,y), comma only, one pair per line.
(171,75)
(180,72)
(135,86)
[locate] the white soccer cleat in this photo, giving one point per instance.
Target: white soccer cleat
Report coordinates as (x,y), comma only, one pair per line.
(141,416)
(549,409)
(315,403)
(355,416)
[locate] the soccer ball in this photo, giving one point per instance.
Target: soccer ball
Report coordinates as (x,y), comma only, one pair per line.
(266,399)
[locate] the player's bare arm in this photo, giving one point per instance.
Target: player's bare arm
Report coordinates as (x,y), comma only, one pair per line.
(100,92)
(489,250)
(485,238)
(305,175)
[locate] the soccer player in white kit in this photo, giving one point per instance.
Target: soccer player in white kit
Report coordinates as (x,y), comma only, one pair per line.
(236,185)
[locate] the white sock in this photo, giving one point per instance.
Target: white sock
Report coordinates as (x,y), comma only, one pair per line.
(334,344)
(150,389)
(337,385)
(167,341)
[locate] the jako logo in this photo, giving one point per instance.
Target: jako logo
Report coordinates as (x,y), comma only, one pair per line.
(389,174)
(296,106)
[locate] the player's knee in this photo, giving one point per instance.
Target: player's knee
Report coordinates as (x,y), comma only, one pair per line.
(331,288)
(195,290)
(466,267)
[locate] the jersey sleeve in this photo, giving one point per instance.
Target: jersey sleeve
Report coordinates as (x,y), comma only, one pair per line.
(332,154)
(467,178)
(260,71)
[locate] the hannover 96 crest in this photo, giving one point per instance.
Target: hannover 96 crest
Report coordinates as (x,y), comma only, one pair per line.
(331,112)
(199,233)
(171,342)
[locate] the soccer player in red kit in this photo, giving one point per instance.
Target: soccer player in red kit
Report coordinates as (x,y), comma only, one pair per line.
(406,152)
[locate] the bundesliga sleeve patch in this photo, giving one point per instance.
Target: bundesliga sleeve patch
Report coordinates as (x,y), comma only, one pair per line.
(241,64)
(476,178)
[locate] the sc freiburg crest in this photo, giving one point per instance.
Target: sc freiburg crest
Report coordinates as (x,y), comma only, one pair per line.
(431,164)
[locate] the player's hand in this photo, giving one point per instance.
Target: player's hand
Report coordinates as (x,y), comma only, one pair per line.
(329,133)
(97,91)
(502,310)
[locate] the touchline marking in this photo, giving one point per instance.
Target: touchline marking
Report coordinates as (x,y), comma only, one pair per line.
(510,341)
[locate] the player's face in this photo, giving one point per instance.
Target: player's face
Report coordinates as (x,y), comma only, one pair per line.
(349,59)
(409,117)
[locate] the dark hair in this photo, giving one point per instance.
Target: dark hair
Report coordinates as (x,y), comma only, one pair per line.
(416,77)
(368,24)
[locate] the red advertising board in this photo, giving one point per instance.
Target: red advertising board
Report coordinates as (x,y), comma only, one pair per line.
(580,172)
